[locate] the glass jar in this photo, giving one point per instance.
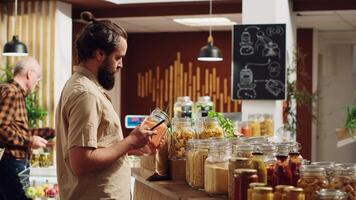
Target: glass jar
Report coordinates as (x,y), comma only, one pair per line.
(209,127)
(294,194)
(331,194)
(262,193)
(279,191)
(183,107)
(242,180)
(216,167)
(203,106)
(246,129)
(282,171)
(259,164)
(160,118)
(344,179)
(236,163)
(251,187)
(267,125)
(197,152)
(312,179)
(255,125)
(295,161)
(244,151)
(182,132)
(269,157)
(328,166)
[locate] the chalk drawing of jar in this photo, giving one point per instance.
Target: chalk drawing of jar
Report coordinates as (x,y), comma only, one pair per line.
(246,44)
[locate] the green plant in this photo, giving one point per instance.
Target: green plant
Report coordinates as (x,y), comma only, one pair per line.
(35,112)
(350,123)
(226,124)
(297,95)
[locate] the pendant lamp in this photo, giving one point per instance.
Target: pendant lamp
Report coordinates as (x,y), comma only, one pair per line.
(15,47)
(210,52)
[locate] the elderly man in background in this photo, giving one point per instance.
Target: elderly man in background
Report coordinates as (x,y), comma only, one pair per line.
(16,138)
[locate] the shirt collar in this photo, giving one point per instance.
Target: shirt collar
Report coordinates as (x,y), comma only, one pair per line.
(18,86)
(84,71)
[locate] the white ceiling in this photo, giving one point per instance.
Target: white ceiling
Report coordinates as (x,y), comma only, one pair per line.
(322,20)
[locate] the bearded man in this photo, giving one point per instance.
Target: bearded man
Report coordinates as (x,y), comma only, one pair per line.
(91,150)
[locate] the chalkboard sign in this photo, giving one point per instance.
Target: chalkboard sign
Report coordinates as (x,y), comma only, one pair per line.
(259,62)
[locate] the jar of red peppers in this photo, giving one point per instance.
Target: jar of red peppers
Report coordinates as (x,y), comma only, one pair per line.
(282,171)
(295,161)
(242,180)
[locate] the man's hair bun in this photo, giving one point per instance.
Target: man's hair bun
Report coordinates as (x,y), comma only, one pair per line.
(87,16)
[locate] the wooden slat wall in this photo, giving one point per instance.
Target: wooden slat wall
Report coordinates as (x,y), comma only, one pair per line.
(184,81)
(36,28)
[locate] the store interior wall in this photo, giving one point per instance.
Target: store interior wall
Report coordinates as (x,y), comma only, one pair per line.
(336,87)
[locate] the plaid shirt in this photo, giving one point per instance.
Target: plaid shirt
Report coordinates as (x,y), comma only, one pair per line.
(15,136)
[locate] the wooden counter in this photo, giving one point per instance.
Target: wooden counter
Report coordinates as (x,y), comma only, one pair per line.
(164,190)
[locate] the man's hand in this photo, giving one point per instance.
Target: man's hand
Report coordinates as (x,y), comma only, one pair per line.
(140,137)
(38,142)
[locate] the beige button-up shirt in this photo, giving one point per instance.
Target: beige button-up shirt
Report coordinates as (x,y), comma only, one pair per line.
(85,117)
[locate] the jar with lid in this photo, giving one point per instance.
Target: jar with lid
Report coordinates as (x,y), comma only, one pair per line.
(160,118)
(183,107)
(236,163)
(312,179)
(246,129)
(262,193)
(182,132)
(242,180)
(251,187)
(293,193)
(242,150)
(279,191)
(282,171)
(255,125)
(267,125)
(328,166)
(295,161)
(259,164)
(269,157)
(209,127)
(216,167)
(344,179)
(331,194)
(196,154)
(203,106)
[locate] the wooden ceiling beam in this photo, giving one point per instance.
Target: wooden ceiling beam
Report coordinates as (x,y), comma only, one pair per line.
(323,5)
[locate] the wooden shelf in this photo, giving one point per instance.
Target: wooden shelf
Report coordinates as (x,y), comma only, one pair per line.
(177,190)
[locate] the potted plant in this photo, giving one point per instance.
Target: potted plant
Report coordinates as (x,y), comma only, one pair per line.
(347,134)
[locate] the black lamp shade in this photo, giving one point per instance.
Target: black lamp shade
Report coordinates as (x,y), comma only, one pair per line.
(210,52)
(15,48)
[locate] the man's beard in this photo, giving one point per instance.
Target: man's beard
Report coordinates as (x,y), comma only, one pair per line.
(106,77)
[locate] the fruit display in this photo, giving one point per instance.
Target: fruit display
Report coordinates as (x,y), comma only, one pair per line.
(42,192)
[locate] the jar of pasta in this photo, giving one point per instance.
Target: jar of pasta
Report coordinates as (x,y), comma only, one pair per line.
(182,132)
(344,179)
(312,179)
(216,167)
(197,152)
(209,127)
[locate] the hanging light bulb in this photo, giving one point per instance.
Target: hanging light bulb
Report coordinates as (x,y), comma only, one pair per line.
(210,52)
(15,47)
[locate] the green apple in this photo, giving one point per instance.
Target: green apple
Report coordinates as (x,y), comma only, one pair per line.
(31,192)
